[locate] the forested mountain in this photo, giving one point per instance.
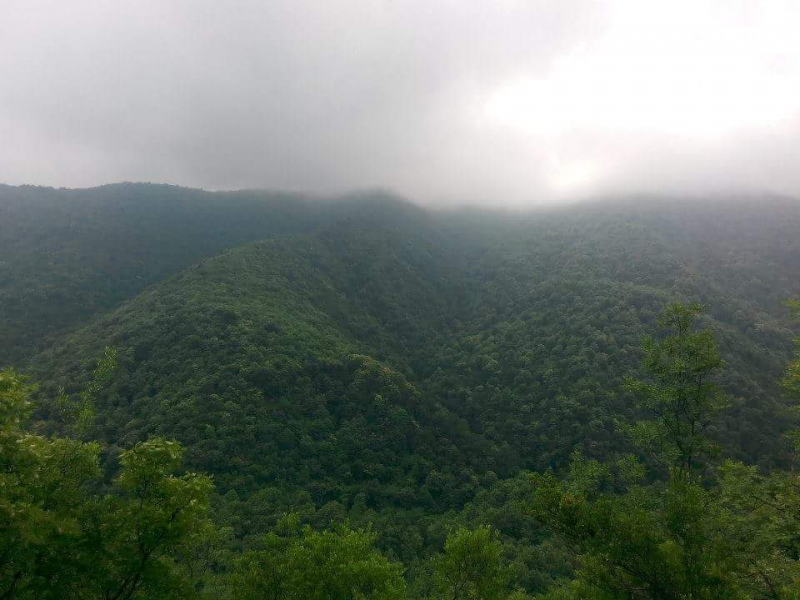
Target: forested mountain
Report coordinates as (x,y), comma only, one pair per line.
(366,359)
(69,254)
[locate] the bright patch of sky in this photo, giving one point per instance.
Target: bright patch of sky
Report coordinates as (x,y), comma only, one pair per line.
(497,102)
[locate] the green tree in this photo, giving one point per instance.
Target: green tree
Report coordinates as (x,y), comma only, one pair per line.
(761,515)
(78,415)
(660,541)
(649,542)
(305,564)
(137,531)
(681,396)
(471,566)
(63,536)
(42,496)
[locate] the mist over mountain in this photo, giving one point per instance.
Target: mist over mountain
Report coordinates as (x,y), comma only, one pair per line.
(494,103)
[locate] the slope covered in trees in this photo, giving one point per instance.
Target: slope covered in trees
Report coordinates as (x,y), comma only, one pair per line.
(69,254)
(370,361)
(706,529)
(520,331)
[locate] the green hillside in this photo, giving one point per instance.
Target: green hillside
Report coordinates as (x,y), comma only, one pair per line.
(370,361)
(510,340)
(66,255)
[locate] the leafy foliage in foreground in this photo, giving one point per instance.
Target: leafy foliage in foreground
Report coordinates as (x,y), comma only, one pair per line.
(64,536)
(303,564)
(703,533)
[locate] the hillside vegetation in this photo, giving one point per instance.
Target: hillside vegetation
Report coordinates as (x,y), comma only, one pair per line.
(366,362)
(69,254)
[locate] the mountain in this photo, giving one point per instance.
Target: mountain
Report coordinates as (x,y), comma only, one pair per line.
(410,355)
(364,359)
(69,254)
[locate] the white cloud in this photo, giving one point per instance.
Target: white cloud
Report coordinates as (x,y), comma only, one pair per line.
(513,101)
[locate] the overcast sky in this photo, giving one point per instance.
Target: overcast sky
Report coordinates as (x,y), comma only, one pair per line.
(506,102)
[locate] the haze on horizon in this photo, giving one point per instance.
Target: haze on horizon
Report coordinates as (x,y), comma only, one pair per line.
(509,102)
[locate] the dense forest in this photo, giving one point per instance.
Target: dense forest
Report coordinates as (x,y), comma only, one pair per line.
(261,395)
